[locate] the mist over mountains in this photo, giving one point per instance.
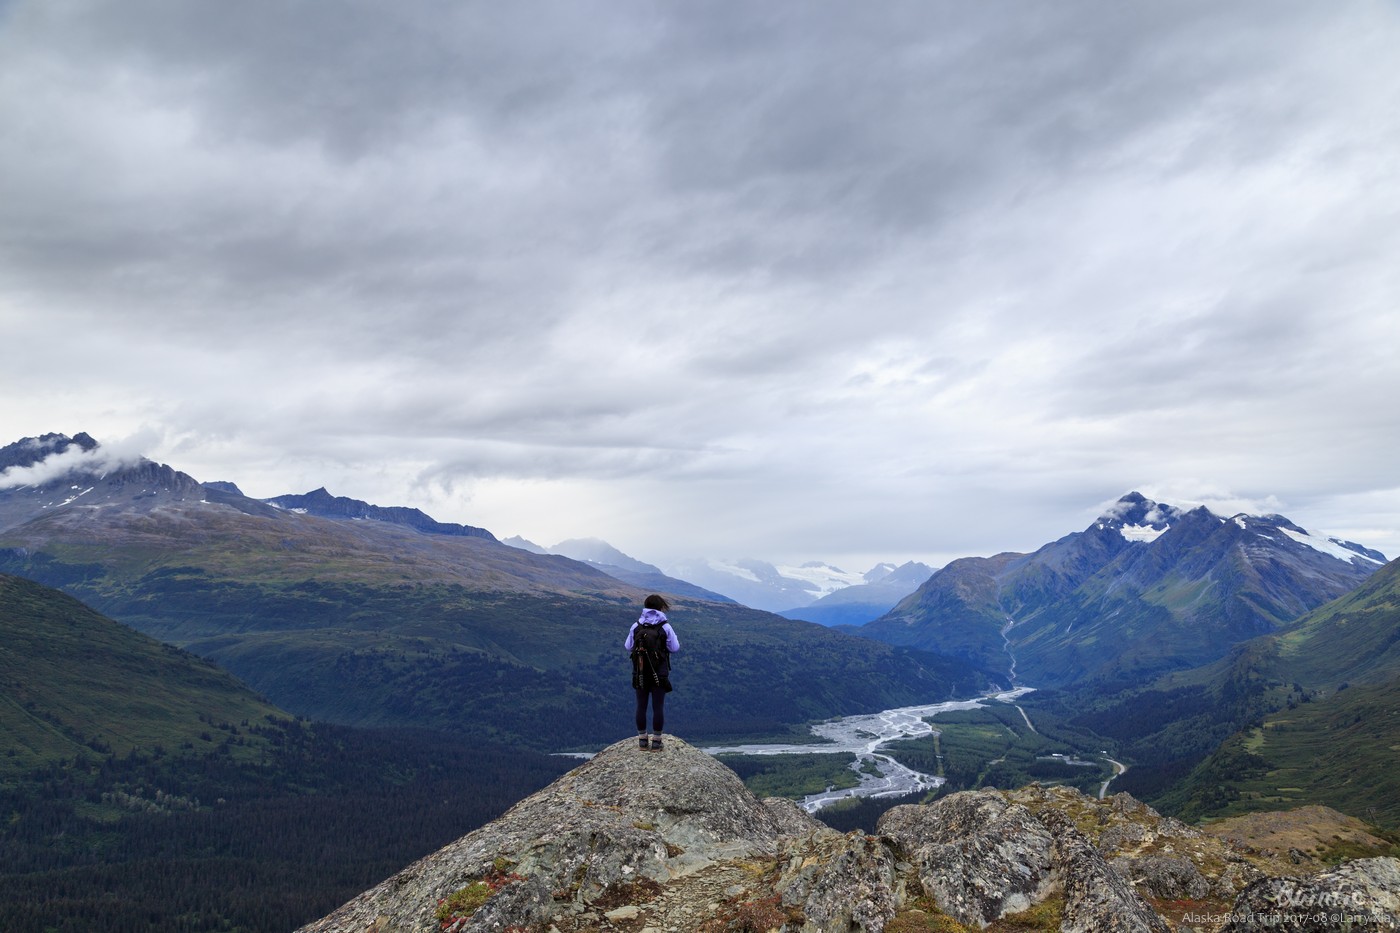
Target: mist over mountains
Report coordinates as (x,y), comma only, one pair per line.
(885,585)
(614,563)
(814,591)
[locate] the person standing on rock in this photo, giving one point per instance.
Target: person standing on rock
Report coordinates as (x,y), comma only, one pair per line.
(651,642)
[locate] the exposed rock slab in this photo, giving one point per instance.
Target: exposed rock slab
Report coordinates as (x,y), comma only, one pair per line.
(1165,876)
(621,816)
(977,855)
(641,842)
(1361,895)
(837,882)
(1097,898)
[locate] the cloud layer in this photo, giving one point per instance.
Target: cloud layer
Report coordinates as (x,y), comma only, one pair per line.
(790,281)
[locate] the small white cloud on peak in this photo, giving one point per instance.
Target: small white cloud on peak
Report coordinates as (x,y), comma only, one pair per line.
(1157,515)
(1115,510)
(99,461)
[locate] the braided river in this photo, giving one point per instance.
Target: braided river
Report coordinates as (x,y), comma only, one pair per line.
(863,735)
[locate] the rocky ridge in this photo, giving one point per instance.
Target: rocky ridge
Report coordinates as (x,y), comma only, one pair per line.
(673,842)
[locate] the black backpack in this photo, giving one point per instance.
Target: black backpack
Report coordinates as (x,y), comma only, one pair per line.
(652,640)
(650,658)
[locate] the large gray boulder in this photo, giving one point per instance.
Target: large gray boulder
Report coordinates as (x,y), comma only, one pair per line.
(625,815)
(977,855)
(839,883)
(1361,895)
(1097,899)
(1164,876)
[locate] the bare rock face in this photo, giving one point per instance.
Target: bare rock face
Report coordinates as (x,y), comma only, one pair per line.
(792,819)
(837,882)
(978,856)
(1164,876)
(1160,856)
(1361,895)
(672,842)
(624,816)
(1096,897)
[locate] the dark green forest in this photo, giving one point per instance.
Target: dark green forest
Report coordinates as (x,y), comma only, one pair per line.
(157,843)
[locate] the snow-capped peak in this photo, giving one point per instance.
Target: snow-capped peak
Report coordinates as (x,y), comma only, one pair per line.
(1138,518)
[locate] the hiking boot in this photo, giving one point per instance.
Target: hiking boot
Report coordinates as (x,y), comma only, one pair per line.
(642,742)
(656,743)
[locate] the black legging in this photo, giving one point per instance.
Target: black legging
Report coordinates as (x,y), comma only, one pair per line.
(658,709)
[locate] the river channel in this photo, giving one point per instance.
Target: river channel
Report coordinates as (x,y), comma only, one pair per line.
(864,735)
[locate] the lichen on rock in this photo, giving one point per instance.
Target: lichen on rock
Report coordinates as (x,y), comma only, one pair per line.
(977,855)
(675,842)
(622,815)
(1361,895)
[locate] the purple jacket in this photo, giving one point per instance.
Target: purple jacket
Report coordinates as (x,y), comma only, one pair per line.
(652,617)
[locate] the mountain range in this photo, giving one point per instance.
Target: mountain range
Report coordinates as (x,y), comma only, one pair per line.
(785,589)
(352,614)
(814,592)
(600,554)
(366,615)
(884,586)
(1145,589)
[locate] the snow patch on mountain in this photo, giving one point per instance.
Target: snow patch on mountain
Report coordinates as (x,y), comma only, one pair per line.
(77,495)
(738,569)
(1142,532)
(776,588)
(1139,519)
(824,578)
(1330,546)
(878,572)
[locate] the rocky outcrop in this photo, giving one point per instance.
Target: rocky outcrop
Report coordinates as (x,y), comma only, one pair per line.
(835,882)
(1165,876)
(977,855)
(621,819)
(673,842)
(1362,895)
(1096,898)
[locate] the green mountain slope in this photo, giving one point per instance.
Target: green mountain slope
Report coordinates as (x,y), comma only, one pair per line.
(367,622)
(1309,715)
(1355,638)
(75,682)
(1339,750)
(1144,590)
(145,789)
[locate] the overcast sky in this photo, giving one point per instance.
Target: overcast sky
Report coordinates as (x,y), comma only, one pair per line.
(787,280)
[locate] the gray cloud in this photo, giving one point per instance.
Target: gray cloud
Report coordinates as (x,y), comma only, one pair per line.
(790,281)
